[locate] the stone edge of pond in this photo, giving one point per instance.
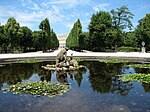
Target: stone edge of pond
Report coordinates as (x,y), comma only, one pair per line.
(83,58)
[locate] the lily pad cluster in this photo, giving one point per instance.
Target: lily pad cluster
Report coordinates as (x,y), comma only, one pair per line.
(39,88)
(140,65)
(136,77)
(114,61)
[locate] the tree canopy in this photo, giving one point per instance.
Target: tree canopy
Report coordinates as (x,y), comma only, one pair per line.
(22,39)
(73,37)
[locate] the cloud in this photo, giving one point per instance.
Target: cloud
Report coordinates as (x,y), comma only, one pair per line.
(101,7)
(64,2)
(30,4)
(69,26)
(59,12)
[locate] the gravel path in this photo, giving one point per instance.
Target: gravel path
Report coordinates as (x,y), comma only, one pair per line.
(84,54)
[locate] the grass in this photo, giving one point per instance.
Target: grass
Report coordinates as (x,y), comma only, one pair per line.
(75,58)
(29,61)
(39,88)
(114,61)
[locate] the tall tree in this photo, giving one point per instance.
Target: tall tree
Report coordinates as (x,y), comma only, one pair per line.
(36,35)
(99,27)
(143,31)
(121,18)
(55,41)
(26,41)
(73,37)
(45,27)
(49,37)
(13,32)
(3,40)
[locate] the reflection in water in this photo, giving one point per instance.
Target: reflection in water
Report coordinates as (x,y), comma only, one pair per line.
(128,70)
(45,75)
(101,76)
(120,87)
(146,87)
(11,74)
(85,84)
(103,79)
(61,77)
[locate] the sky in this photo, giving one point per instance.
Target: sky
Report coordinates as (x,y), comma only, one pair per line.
(62,14)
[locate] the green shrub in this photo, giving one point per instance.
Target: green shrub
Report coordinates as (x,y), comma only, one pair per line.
(128,49)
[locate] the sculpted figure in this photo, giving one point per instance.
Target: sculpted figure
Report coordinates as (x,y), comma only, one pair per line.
(61,58)
(72,62)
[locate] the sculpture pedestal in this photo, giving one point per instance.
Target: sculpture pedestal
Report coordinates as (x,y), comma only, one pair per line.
(143,50)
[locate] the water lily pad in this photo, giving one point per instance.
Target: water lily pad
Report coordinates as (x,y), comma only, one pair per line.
(136,77)
(39,88)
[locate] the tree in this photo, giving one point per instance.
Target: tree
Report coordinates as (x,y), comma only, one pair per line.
(143,31)
(83,40)
(73,37)
(3,40)
(55,41)
(99,27)
(36,40)
(129,39)
(26,41)
(13,32)
(121,19)
(49,37)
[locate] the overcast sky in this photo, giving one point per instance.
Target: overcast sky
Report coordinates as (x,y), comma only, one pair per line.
(62,14)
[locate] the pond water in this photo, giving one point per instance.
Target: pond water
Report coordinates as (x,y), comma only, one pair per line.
(94,89)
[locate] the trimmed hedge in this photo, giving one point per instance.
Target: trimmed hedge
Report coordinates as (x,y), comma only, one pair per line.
(128,49)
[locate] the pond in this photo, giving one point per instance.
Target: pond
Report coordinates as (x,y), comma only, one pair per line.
(93,89)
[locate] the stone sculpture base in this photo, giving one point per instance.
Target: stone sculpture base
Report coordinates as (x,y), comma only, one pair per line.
(69,68)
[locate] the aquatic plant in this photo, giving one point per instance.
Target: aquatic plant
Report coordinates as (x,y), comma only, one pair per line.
(114,61)
(140,65)
(29,61)
(39,88)
(136,77)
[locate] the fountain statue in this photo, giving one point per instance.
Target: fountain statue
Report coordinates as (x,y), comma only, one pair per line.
(62,63)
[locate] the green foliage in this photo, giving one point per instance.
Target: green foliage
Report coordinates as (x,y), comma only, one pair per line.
(114,61)
(128,49)
(39,88)
(84,40)
(36,40)
(73,37)
(99,30)
(140,65)
(75,58)
(29,61)
(49,38)
(121,19)
(143,31)
(54,41)
(13,33)
(3,40)
(14,38)
(26,40)
(136,77)
(129,39)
